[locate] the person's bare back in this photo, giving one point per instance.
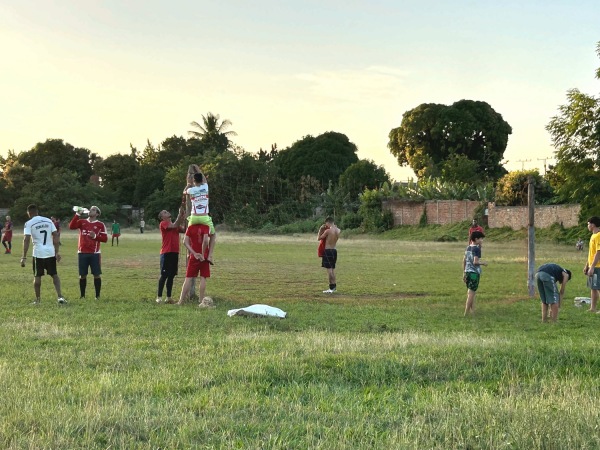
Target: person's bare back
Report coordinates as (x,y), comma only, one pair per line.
(332,234)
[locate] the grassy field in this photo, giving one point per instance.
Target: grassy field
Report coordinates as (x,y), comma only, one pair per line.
(387,362)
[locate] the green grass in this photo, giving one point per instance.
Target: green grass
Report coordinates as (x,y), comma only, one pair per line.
(387,362)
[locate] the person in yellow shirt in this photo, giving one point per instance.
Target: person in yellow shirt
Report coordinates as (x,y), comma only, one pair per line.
(592,267)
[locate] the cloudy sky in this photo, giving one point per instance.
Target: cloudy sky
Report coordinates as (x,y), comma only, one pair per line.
(107,74)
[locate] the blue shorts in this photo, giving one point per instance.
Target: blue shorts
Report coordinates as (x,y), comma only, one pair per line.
(91,260)
(593,282)
(546,285)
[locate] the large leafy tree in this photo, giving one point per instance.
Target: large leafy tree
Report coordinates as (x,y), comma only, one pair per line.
(440,141)
(213,132)
(55,190)
(56,153)
(15,177)
(575,132)
(119,175)
(323,158)
(176,148)
(362,175)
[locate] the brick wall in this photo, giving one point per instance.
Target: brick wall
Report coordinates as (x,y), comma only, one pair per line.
(438,211)
(516,217)
(451,211)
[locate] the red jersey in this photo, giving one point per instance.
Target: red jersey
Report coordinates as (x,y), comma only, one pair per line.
(196,234)
(475,228)
(321,248)
(170,237)
(86,243)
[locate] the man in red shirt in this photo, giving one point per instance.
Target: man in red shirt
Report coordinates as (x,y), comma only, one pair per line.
(91,233)
(475,227)
(7,238)
(169,251)
(198,263)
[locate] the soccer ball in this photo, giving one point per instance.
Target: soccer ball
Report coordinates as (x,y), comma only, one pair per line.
(207,302)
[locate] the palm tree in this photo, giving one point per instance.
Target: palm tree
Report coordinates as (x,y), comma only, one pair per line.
(213,131)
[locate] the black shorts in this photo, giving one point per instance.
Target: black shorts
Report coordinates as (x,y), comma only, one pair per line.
(169,263)
(91,261)
(41,265)
(329,258)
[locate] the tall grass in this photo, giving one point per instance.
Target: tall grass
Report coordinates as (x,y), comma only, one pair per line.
(387,362)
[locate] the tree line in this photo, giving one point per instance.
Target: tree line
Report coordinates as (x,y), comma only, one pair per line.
(247,190)
(456,152)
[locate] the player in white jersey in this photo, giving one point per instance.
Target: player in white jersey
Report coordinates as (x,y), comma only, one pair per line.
(45,239)
(198,193)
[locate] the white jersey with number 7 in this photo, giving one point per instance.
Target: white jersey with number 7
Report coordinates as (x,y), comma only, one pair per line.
(40,229)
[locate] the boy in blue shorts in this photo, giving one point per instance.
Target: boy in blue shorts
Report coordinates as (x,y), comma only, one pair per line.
(546,277)
(472,263)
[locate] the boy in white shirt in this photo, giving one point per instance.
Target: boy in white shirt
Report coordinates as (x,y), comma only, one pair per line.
(198,193)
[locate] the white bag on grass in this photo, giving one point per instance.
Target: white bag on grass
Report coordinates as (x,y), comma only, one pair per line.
(258,311)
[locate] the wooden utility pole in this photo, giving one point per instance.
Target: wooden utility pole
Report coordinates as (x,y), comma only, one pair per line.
(531,236)
(523,161)
(544,159)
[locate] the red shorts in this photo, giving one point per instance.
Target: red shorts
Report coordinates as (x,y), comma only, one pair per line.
(7,236)
(194,267)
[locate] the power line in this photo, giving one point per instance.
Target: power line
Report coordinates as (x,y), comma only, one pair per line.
(523,161)
(544,159)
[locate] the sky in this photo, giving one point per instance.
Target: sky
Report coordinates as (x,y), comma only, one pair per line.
(106,74)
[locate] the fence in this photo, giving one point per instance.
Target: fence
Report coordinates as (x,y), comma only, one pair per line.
(443,212)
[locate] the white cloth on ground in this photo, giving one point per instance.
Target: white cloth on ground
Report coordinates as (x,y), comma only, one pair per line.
(258,311)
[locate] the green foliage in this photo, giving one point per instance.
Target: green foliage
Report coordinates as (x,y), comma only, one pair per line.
(459,168)
(295,227)
(324,158)
(373,218)
(119,174)
(150,179)
(56,153)
(362,175)
(335,201)
(575,132)
(55,191)
(15,177)
(350,220)
(212,133)
(423,219)
(438,140)
(169,197)
(245,217)
(512,188)
(437,189)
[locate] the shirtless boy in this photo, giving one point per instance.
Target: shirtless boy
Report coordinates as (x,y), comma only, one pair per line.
(330,235)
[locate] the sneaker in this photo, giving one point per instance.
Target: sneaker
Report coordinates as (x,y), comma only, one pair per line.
(97,298)
(159,300)
(35,302)
(329,291)
(170,302)
(62,301)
